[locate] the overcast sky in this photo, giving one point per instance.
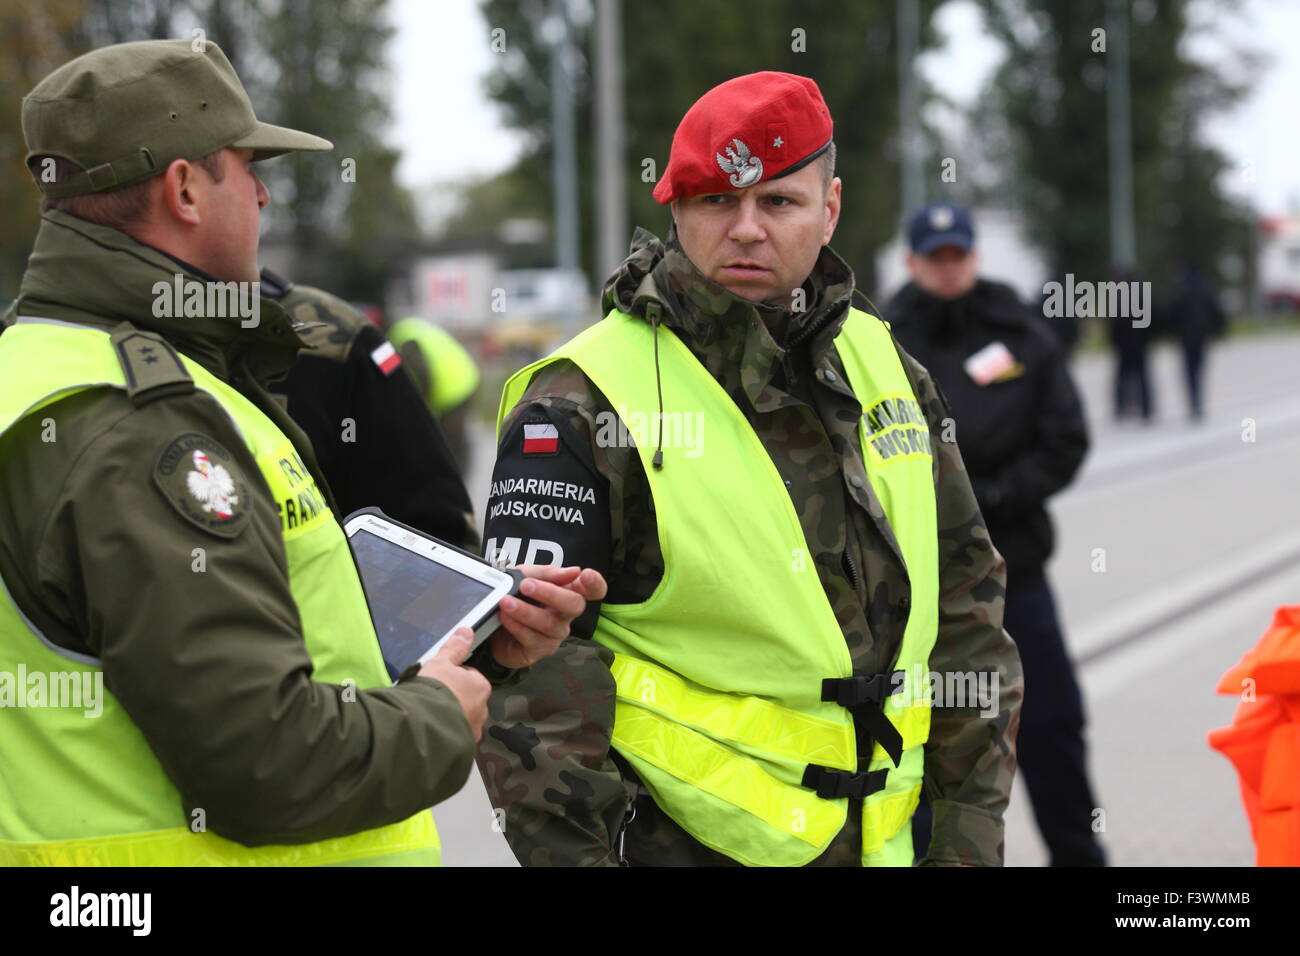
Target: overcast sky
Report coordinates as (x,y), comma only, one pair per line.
(449,130)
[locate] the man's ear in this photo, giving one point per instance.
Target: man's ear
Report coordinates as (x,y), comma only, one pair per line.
(179,183)
(832,209)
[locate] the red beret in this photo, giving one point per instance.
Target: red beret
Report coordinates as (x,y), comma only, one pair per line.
(744,131)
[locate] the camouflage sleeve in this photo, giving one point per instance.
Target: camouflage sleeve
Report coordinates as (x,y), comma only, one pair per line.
(970,756)
(545,754)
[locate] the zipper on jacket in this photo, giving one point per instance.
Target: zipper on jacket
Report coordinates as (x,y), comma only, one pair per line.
(851,568)
(622,835)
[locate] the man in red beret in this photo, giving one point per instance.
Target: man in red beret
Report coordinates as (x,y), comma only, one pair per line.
(803,624)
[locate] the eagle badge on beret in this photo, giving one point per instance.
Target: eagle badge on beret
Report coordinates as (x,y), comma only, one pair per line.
(745,169)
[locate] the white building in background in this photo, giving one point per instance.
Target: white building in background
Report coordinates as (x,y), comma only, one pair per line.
(454,291)
(470,292)
(1279,262)
(1004,257)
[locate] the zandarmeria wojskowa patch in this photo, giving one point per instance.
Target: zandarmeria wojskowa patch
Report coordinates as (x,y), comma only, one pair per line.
(201,481)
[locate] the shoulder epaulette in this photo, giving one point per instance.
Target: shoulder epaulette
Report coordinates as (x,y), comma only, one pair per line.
(153,369)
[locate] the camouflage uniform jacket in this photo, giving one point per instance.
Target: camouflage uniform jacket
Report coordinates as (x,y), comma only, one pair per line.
(546,756)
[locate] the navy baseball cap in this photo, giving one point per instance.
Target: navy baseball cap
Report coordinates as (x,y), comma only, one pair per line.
(941,224)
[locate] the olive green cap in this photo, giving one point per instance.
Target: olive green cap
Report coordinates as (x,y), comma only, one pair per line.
(122,113)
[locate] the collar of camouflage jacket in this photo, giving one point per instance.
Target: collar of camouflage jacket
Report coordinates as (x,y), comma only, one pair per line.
(93,275)
(721,327)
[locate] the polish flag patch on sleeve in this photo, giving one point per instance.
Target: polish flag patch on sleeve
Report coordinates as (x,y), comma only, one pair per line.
(386,358)
(541,440)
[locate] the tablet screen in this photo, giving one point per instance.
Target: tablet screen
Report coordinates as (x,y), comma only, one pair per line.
(414,601)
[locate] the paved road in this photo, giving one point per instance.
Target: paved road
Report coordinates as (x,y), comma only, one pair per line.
(1198,528)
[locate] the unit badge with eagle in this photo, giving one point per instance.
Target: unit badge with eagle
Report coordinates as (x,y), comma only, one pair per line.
(745,169)
(202,482)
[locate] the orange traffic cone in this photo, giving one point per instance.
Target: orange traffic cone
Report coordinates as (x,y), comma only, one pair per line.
(1263,741)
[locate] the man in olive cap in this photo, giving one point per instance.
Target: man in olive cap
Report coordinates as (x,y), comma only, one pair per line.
(168,547)
(790,538)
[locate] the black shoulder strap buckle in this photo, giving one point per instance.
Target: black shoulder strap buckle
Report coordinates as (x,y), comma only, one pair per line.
(856,691)
(833,784)
(882,731)
(153,369)
(863,695)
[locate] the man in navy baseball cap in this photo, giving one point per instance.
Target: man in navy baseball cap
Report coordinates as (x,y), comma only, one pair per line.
(943,260)
(1023,438)
(941,224)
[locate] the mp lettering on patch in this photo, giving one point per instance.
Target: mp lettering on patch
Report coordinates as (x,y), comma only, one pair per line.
(541,439)
(386,358)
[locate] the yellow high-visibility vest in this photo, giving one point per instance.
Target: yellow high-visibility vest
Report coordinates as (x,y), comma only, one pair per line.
(720,704)
(82,792)
(453,372)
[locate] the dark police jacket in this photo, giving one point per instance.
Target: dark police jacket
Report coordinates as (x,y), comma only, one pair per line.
(1022,436)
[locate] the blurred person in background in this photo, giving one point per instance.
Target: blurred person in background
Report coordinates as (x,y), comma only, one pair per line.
(445,374)
(1134,391)
(1194,316)
(1022,436)
(374,436)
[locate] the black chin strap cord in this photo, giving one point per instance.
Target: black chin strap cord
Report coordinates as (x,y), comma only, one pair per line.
(658,459)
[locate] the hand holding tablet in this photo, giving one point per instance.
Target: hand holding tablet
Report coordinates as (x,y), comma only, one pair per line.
(469,685)
(532,631)
(421,589)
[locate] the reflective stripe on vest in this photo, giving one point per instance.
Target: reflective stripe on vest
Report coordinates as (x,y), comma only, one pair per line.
(719,672)
(181,847)
(88,789)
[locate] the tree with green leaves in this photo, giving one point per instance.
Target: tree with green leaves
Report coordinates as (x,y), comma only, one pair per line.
(312,66)
(1043,117)
(674,51)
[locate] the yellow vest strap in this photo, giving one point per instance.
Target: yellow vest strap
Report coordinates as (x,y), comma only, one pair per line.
(884,818)
(753,721)
(749,721)
(708,766)
(912,723)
